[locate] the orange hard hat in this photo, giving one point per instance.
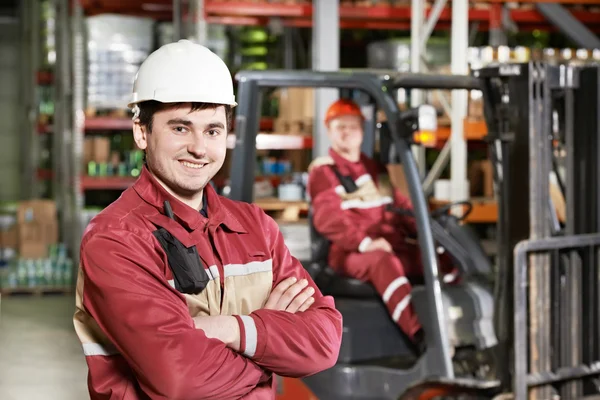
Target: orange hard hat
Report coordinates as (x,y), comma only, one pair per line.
(340,108)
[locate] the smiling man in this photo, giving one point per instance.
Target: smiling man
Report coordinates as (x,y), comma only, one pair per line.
(181,293)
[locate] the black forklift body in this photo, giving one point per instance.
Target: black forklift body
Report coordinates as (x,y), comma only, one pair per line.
(363,380)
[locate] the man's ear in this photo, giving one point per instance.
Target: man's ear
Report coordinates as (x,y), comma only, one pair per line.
(140,135)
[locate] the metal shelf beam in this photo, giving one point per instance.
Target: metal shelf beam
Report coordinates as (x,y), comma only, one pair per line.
(569,25)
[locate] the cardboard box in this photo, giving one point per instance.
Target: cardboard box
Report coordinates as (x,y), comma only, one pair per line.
(101,149)
(36,228)
(36,210)
(296,104)
(475,176)
(8,238)
(488,178)
(88,150)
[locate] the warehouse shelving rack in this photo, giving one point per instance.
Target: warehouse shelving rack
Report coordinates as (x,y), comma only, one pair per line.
(321,17)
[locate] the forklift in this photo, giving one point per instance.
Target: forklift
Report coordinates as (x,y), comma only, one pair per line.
(375,360)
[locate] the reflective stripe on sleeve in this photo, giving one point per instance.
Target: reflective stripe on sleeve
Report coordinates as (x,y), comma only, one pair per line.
(251,335)
(364,244)
(97,349)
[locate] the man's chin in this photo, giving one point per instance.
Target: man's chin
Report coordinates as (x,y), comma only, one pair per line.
(192,188)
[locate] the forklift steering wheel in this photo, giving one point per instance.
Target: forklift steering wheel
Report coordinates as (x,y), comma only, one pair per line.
(444,209)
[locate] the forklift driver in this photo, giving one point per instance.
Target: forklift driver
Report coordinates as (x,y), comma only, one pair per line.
(182,293)
(368,242)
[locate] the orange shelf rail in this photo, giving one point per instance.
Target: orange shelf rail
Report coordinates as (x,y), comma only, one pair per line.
(351,17)
(392,17)
(473,130)
(485,211)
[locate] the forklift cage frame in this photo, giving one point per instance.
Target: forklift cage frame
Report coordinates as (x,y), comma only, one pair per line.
(380,86)
(523,378)
(548,288)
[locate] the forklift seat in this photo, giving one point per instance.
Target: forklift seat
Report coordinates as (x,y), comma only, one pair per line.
(330,282)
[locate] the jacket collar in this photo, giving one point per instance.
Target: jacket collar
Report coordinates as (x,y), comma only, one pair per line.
(153,193)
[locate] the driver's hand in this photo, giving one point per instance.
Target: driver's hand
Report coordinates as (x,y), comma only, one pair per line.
(380,244)
(291,295)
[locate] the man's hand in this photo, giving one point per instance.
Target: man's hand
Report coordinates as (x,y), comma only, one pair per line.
(222,327)
(291,296)
(379,244)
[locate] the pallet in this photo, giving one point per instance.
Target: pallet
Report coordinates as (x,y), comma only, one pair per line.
(91,112)
(285,211)
(35,291)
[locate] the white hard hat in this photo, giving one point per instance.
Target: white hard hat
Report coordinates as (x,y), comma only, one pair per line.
(183,72)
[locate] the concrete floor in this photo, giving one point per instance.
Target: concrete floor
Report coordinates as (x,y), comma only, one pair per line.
(40,356)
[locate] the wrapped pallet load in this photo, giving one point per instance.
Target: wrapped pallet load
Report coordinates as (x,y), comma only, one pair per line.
(116,46)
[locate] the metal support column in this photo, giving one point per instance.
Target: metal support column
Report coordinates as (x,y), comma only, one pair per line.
(29,15)
(78,116)
(460,66)
(61,139)
(289,56)
(497,34)
(566,23)
(199,31)
(326,57)
(417,21)
(177,20)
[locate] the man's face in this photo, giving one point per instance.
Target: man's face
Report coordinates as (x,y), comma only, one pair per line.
(185,149)
(346,133)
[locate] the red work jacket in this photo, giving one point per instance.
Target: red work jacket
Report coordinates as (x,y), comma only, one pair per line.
(352,220)
(137,330)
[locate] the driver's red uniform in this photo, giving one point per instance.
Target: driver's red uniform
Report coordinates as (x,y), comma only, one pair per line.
(352,220)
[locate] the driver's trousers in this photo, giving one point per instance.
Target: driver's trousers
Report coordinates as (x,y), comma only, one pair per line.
(390,274)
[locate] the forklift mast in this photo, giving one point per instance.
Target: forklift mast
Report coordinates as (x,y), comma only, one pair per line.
(379,87)
(548,286)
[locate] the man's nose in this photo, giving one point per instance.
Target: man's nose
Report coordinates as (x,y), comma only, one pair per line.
(197,145)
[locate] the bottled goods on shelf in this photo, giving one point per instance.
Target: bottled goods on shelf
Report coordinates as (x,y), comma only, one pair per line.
(48,33)
(272,166)
(114,155)
(54,271)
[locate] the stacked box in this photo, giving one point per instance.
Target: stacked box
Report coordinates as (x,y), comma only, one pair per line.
(116,47)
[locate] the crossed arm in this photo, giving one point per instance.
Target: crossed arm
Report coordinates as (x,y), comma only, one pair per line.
(169,356)
(303,327)
(290,296)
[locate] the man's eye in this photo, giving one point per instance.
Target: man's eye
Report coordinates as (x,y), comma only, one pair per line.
(180,129)
(213,132)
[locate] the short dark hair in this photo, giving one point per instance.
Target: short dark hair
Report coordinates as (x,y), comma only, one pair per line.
(150,107)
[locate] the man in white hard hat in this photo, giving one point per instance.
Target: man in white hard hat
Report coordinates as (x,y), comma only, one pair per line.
(181,293)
